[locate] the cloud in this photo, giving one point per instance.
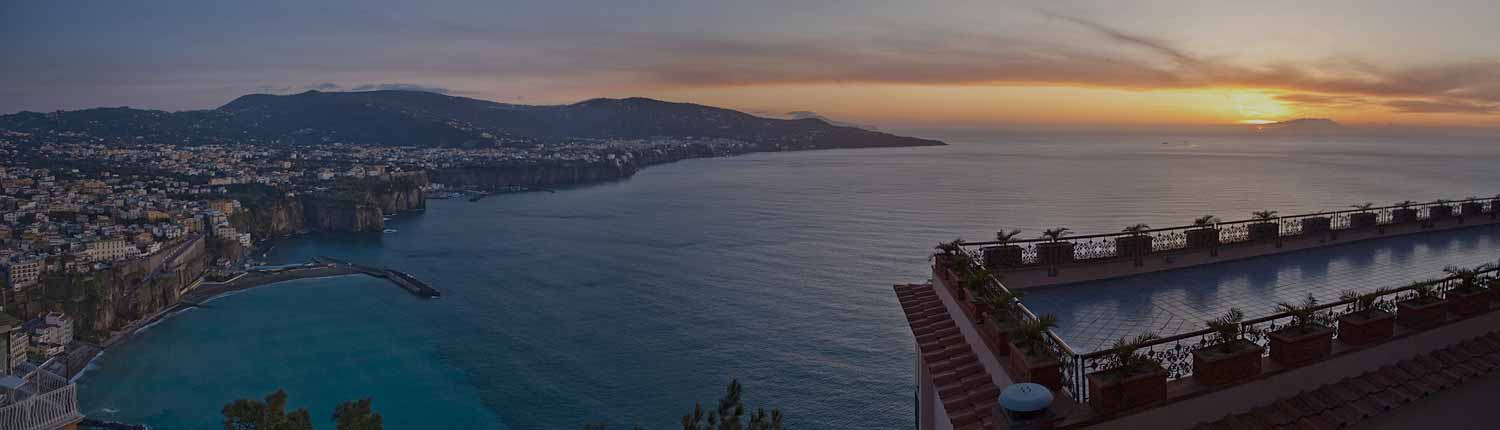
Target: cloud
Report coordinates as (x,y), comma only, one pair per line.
(1425,106)
(401,87)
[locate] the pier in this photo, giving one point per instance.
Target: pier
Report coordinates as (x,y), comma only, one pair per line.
(402,279)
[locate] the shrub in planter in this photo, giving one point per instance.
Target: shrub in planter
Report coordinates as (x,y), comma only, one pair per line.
(1003,254)
(1439,212)
(1055,251)
(1469,297)
(1364,218)
(1370,320)
(1404,213)
(1004,318)
(1130,378)
(1265,228)
(1425,309)
(976,286)
(1471,208)
(1308,337)
(1203,234)
(1137,244)
(1031,359)
(1317,225)
(1227,356)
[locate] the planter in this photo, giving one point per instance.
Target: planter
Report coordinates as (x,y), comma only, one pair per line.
(1038,369)
(1213,366)
(1366,327)
(1203,238)
(1133,246)
(1264,231)
(1471,209)
(1439,213)
(1420,315)
(1403,215)
(1363,220)
(996,257)
(1469,303)
(1295,346)
(1112,391)
(1317,225)
(1052,253)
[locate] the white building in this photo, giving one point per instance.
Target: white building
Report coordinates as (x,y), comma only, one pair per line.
(107,250)
(50,334)
(23,273)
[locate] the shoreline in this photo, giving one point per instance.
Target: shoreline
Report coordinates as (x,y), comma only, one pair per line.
(80,360)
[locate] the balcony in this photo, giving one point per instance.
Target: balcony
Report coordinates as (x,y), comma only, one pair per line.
(37,400)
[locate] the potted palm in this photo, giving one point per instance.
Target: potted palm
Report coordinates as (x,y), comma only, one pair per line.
(1003,253)
(1495,207)
(1054,251)
(1308,337)
(1031,358)
(950,260)
(1204,234)
(1130,378)
(1471,207)
(1137,244)
(1226,356)
(976,283)
(1469,297)
(1364,218)
(1403,212)
(1370,319)
(1439,211)
(1265,226)
(1004,315)
(1424,309)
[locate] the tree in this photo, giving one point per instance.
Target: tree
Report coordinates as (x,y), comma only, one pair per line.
(1263,215)
(247,414)
(1055,234)
(1205,221)
(356,415)
(1005,236)
(730,414)
(1363,207)
(1136,230)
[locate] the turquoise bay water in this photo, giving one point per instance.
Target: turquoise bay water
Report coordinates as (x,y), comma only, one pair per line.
(630,301)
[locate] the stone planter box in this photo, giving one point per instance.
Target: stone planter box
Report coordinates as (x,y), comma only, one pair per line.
(1471,209)
(1439,213)
(1363,220)
(998,336)
(1212,366)
(1264,231)
(1317,225)
(1366,327)
(1052,253)
(1469,303)
(1111,391)
(1043,370)
(1133,246)
(1297,346)
(996,257)
(1399,216)
(1416,315)
(1203,238)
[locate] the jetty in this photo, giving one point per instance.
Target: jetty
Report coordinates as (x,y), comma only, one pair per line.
(402,279)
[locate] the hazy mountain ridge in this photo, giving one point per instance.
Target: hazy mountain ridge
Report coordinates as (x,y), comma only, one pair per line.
(413,118)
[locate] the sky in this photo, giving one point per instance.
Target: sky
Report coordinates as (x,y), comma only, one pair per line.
(886,63)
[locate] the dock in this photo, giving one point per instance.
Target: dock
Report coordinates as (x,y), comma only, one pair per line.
(404,280)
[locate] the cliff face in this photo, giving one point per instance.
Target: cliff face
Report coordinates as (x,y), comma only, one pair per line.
(535,175)
(282,218)
(342,216)
(356,207)
(106,301)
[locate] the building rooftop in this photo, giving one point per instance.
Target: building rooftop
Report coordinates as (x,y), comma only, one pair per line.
(968,393)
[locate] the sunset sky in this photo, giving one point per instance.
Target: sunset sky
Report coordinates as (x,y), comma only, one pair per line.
(959,63)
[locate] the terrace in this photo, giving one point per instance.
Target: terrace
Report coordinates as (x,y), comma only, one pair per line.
(1353,267)
(36,399)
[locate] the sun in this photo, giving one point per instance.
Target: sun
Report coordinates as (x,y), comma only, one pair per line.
(1256,121)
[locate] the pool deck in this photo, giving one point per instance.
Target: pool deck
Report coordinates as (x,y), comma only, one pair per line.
(1091,315)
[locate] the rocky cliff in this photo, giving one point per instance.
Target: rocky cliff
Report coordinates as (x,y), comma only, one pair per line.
(109,300)
(350,207)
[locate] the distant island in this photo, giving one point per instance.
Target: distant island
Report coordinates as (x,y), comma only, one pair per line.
(1301,126)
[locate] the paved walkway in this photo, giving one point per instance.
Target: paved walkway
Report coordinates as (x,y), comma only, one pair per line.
(1092,315)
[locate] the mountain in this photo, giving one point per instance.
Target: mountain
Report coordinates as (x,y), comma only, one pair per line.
(414,118)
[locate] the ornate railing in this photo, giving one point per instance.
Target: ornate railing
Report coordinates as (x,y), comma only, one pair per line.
(1104,246)
(43,401)
(1175,353)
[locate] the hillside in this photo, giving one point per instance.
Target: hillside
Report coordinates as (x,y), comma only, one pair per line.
(411,118)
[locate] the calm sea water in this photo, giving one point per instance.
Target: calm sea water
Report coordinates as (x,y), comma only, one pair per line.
(630,301)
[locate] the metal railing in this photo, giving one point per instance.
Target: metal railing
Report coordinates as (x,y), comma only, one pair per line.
(1104,246)
(1175,353)
(44,401)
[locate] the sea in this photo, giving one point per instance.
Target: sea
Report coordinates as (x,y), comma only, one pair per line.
(628,302)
